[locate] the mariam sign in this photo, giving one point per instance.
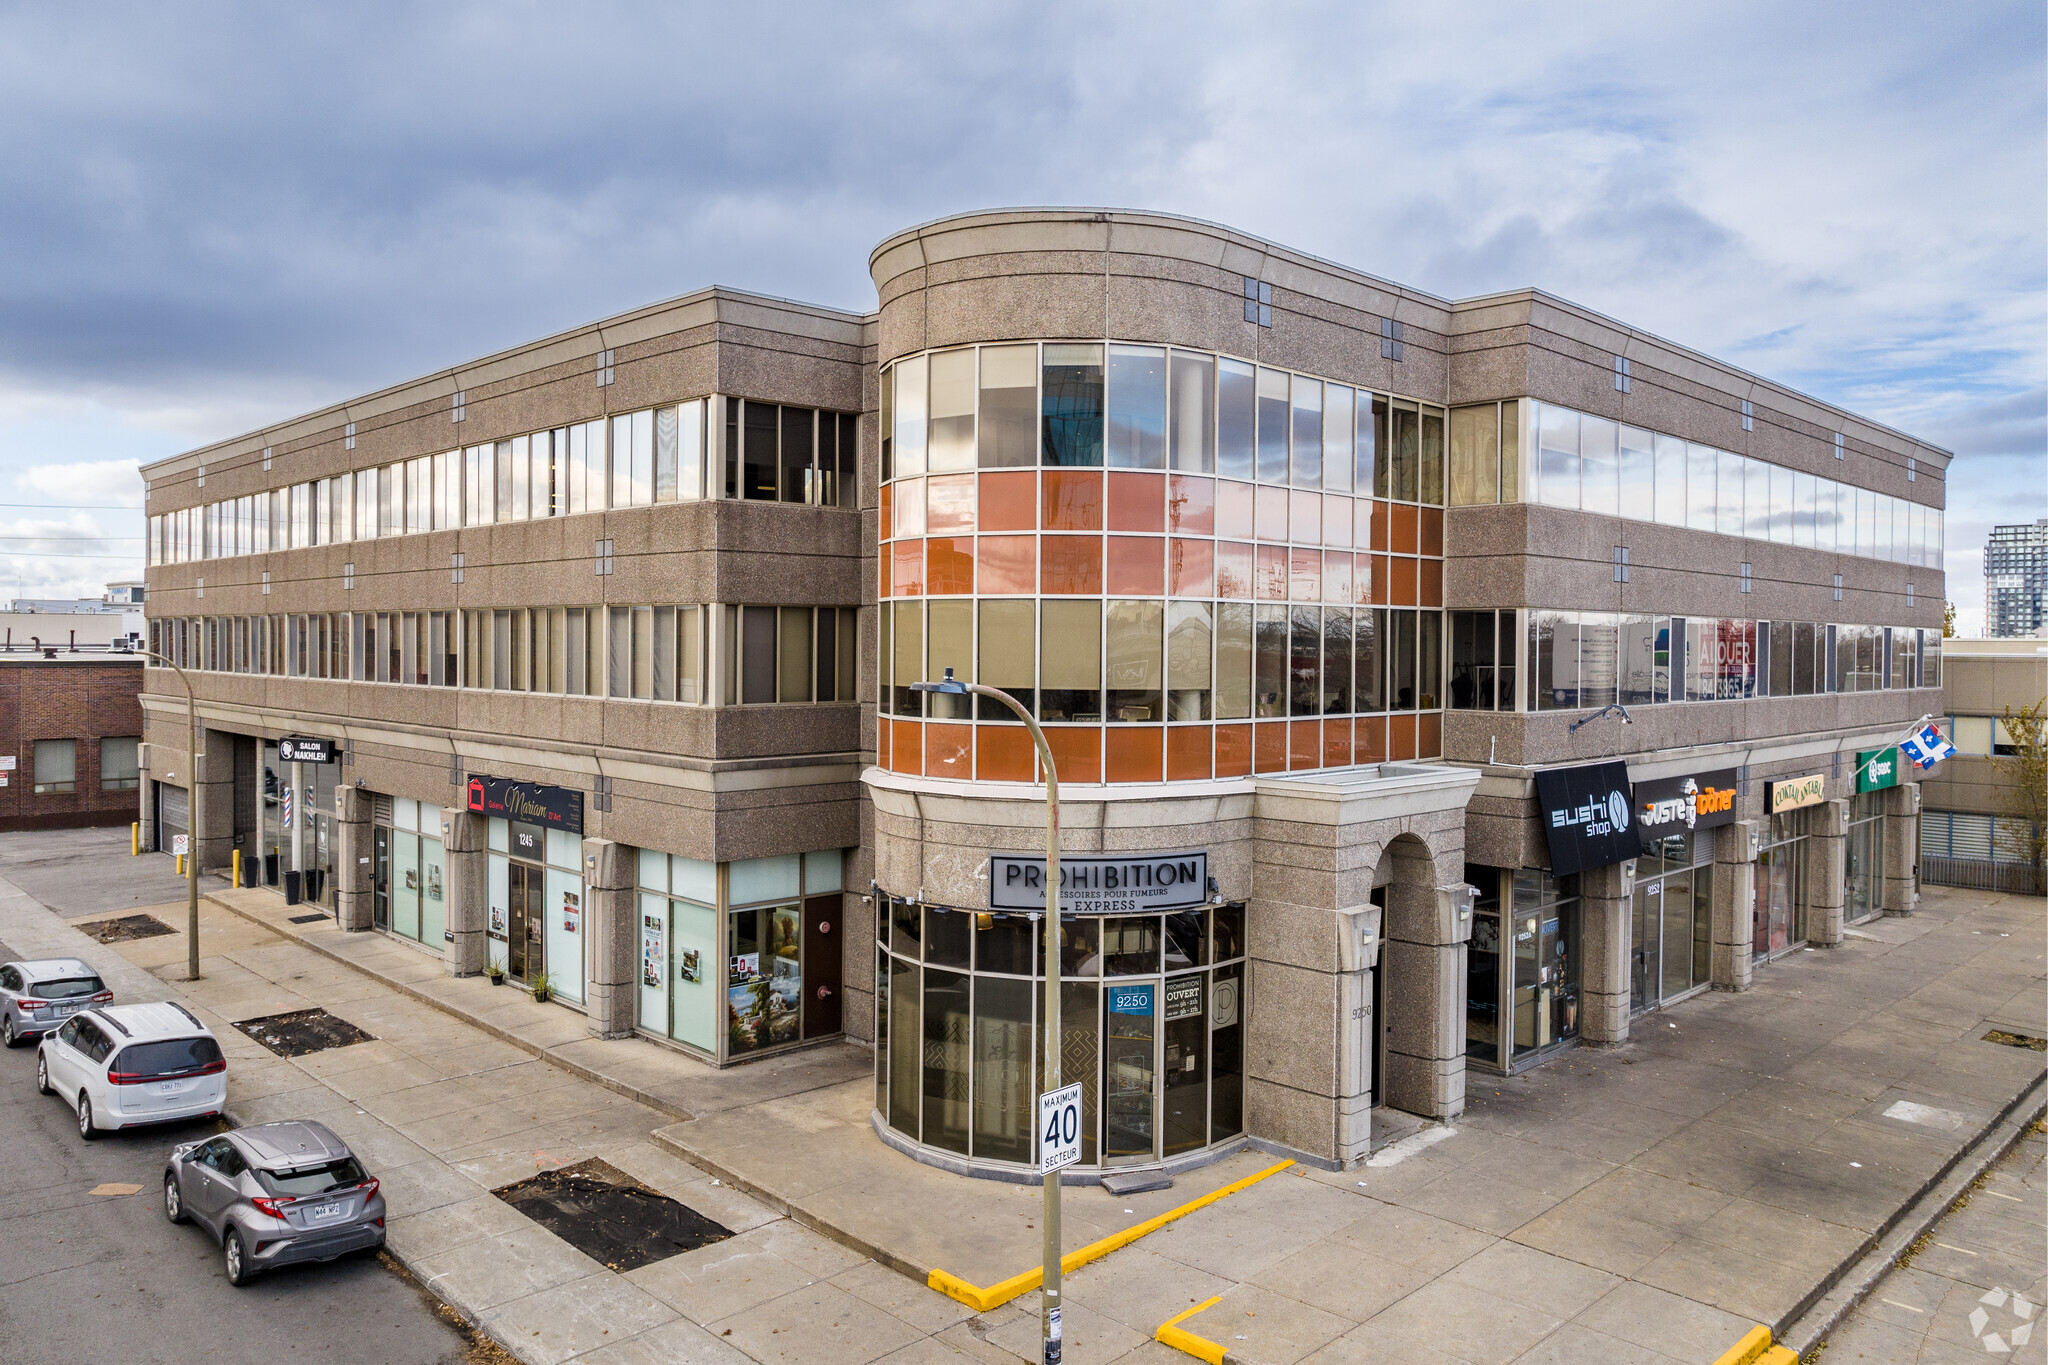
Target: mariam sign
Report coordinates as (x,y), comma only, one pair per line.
(527,802)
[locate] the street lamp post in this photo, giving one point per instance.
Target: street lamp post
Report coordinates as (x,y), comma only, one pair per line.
(1049,1295)
(194,806)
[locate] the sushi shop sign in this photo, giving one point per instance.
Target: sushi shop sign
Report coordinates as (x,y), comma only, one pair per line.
(1587,817)
(1102,886)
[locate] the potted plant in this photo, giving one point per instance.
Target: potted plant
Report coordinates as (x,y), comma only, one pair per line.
(539,987)
(494,972)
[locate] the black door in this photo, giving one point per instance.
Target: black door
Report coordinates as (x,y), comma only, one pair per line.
(380,878)
(822,935)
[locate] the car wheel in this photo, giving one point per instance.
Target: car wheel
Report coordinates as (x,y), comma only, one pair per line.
(7,1033)
(174,1202)
(233,1261)
(42,1074)
(85,1128)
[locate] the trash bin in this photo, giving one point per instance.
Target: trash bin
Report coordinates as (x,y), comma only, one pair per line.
(270,869)
(291,888)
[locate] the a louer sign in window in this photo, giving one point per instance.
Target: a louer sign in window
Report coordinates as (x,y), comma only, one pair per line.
(1102,885)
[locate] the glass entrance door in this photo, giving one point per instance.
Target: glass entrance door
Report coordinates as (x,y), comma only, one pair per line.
(1647,949)
(1130,1040)
(525,953)
(1775,892)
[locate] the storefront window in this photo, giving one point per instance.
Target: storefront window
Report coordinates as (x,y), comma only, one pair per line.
(1863,852)
(1546,968)
(1781,887)
(410,874)
(1672,930)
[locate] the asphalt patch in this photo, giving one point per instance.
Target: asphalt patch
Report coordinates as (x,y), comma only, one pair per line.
(303,1031)
(611,1217)
(125,929)
(307,919)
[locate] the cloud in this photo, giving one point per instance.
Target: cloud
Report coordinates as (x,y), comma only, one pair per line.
(113,483)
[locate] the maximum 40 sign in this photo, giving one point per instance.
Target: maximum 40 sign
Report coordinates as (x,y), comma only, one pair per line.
(1059,1128)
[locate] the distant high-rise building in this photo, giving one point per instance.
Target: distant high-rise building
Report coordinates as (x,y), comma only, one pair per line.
(2015,579)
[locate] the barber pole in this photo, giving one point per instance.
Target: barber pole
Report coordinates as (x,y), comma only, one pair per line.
(287,806)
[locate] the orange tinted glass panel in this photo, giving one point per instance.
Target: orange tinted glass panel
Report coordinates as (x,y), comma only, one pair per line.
(906,746)
(1233,570)
(1429,738)
(1191,505)
(888,509)
(1377,536)
(1432,530)
(949,565)
(882,734)
(949,503)
(1073,499)
(1234,509)
(1137,566)
(1304,744)
(908,556)
(1187,753)
(1272,503)
(1305,518)
(1432,588)
(1191,568)
(1361,579)
(949,751)
(1269,748)
(884,566)
(1008,563)
(1070,564)
(1233,750)
(1380,580)
(1337,522)
(1272,573)
(1077,753)
(1400,737)
(1004,753)
(1403,585)
(1337,578)
(1369,739)
(1305,575)
(1009,502)
(1401,529)
(1134,754)
(1336,744)
(1137,502)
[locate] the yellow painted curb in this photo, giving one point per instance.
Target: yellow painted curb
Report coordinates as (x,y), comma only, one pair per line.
(1170,1333)
(981,1299)
(1754,1343)
(1778,1355)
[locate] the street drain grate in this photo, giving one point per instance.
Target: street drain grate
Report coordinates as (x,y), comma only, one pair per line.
(1999,1035)
(303,1031)
(611,1217)
(307,919)
(125,928)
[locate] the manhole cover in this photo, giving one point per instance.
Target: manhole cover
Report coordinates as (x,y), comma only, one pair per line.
(303,1031)
(1999,1035)
(125,928)
(307,919)
(608,1215)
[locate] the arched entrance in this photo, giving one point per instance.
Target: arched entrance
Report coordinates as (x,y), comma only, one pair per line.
(1418,985)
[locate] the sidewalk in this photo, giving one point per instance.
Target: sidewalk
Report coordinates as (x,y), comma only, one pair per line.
(1644,1203)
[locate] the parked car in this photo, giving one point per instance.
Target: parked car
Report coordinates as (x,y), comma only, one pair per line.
(122,1066)
(276,1194)
(37,997)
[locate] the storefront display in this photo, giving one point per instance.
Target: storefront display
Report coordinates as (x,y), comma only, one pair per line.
(1671,941)
(1781,886)
(534,894)
(1863,867)
(408,875)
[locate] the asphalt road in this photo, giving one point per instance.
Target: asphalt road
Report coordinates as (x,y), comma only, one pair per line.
(96,1278)
(88,873)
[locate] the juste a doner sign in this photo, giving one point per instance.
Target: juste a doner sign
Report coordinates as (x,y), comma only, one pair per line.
(1102,885)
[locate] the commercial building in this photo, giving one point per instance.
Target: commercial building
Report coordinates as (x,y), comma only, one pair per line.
(1973,830)
(70,731)
(2015,580)
(1433,685)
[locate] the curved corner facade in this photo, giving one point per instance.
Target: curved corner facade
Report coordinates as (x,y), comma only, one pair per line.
(1433,686)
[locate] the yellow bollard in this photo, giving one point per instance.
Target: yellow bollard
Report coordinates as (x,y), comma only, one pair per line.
(181,863)
(237,879)
(135,839)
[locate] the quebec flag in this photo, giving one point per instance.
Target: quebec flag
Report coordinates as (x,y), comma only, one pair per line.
(1928,747)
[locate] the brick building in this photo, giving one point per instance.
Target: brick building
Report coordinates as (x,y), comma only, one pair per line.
(70,722)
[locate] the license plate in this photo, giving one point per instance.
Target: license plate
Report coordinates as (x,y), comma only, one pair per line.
(67,1009)
(169,1087)
(325,1213)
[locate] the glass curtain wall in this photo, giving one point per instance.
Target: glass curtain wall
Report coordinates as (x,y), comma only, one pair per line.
(1151,1025)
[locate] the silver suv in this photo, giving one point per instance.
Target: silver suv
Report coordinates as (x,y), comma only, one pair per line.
(275,1194)
(37,997)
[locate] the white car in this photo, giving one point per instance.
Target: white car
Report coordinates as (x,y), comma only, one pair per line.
(123,1066)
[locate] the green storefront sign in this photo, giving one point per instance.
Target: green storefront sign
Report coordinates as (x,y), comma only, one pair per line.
(1877,768)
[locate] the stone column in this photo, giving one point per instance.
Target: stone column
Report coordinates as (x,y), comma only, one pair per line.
(609,920)
(216,787)
(1734,904)
(352,866)
(1901,847)
(1826,873)
(1606,944)
(145,805)
(467,865)
(1424,991)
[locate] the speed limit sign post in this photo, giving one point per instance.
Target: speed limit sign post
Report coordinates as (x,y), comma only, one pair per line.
(1059,1128)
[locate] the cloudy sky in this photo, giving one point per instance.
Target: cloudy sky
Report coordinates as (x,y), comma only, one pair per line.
(216,216)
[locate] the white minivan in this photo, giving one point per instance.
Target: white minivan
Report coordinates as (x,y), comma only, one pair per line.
(123,1066)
